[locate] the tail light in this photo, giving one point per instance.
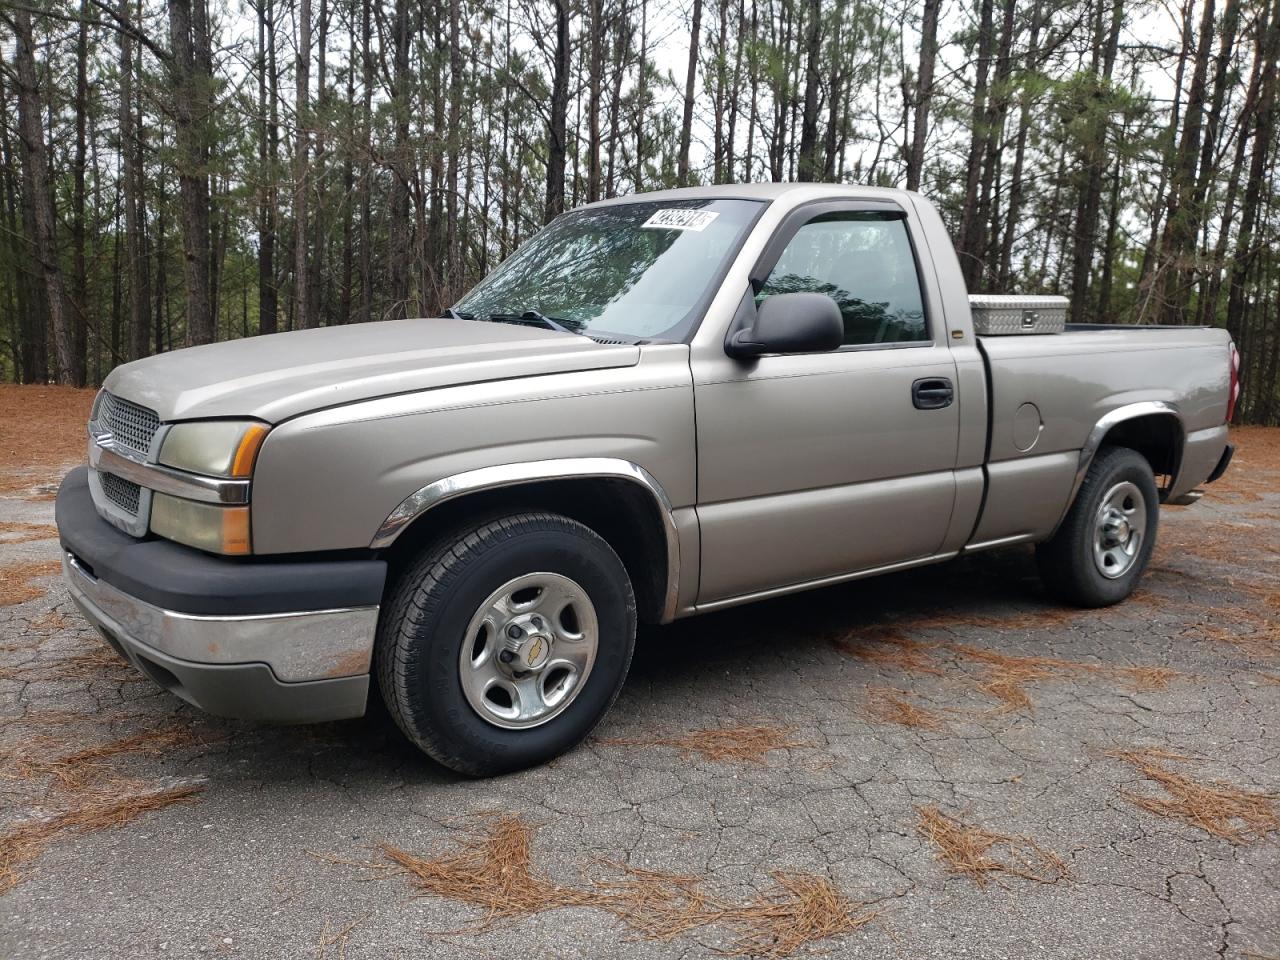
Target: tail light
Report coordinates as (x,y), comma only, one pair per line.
(1233,394)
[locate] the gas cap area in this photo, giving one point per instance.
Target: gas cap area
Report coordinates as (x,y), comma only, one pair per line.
(1027,425)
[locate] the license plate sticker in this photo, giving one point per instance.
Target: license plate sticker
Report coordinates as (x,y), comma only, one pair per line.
(676,218)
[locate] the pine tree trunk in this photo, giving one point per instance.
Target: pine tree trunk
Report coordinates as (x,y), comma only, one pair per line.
(365,311)
(1209,300)
(690,82)
(192,84)
(1094,158)
(1178,242)
(30,348)
(641,94)
(304,317)
(809,167)
(35,171)
(595,81)
(923,92)
(1263,142)
(79,318)
(1013,216)
(556,130)
(317,301)
(268,137)
(970,245)
(398,255)
(453,247)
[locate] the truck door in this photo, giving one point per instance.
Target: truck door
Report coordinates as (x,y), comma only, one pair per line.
(818,466)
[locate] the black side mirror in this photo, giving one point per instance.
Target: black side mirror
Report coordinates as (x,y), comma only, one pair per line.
(790,323)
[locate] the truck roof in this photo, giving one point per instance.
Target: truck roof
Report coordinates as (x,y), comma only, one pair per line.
(791,192)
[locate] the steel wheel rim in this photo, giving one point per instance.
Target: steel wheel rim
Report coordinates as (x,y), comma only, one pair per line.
(1119,530)
(528,650)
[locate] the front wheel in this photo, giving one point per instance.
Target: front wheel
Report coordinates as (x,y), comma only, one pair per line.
(504,645)
(1100,552)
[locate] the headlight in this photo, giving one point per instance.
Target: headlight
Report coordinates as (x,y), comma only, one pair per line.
(205,526)
(211,448)
(216,448)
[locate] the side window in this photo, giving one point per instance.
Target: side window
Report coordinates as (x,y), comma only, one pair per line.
(864,262)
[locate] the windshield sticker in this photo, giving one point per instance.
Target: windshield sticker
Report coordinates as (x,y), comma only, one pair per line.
(678,219)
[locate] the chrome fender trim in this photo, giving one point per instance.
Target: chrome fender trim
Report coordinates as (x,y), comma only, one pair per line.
(1130,411)
(515,474)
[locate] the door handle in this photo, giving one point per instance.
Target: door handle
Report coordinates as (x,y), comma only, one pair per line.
(932,393)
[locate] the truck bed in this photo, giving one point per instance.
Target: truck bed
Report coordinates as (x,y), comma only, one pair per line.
(1048,392)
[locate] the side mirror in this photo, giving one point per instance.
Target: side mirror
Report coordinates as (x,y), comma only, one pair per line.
(790,323)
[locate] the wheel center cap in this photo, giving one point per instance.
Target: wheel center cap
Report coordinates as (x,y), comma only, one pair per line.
(534,652)
(1116,531)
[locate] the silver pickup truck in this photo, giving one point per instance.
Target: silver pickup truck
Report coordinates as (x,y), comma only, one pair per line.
(660,405)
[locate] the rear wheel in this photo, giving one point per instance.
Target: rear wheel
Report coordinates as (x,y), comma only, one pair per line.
(1102,548)
(504,645)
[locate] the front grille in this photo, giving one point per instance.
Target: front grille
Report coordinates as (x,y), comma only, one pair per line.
(125,494)
(131,425)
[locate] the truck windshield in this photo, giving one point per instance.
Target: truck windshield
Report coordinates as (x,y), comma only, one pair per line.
(637,270)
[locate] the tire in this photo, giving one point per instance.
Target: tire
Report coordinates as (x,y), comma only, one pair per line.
(1093,559)
(451,704)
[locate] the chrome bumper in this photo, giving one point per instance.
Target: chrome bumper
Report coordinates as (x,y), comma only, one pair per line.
(289,667)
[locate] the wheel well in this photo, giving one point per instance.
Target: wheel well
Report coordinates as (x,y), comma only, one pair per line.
(624,513)
(1158,437)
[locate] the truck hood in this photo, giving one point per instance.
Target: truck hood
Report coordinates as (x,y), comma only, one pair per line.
(285,374)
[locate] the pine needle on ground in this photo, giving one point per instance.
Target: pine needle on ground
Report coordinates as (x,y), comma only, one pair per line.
(1256,638)
(494,871)
(25,842)
(1037,619)
(35,758)
(97,664)
(971,851)
(18,580)
(339,938)
(1217,808)
(797,910)
(12,531)
(51,622)
(886,705)
(744,744)
(887,647)
(41,428)
(803,909)
(1005,676)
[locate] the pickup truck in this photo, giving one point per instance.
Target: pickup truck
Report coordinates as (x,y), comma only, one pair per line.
(660,405)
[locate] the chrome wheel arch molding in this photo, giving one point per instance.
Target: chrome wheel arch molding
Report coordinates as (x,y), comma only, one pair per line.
(1111,419)
(458,485)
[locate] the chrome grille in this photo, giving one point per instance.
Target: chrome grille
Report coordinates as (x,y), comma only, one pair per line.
(131,425)
(125,494)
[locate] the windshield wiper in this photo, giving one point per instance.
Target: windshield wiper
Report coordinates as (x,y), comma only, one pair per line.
(532,318)
(452,314)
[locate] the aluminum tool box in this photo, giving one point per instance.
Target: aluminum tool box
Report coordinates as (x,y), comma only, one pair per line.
(998,316)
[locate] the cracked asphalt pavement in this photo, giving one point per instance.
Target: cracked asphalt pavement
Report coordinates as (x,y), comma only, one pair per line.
(266,859)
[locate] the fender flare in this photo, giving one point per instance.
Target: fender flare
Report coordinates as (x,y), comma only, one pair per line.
(1109,420)
(495,477)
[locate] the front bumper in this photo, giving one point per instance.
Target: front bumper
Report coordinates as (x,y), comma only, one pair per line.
(288,642)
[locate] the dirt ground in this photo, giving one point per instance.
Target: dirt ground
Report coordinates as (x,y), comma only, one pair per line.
(934,764)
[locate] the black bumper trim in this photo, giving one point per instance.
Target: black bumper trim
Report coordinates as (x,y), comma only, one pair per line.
(178,578)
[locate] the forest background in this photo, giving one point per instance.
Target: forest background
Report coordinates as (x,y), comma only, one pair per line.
(178,172)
